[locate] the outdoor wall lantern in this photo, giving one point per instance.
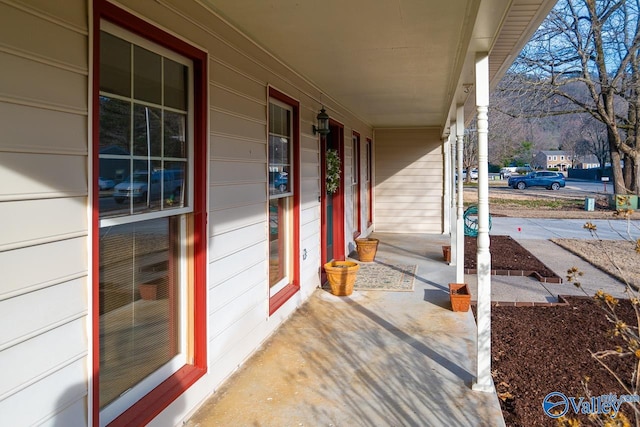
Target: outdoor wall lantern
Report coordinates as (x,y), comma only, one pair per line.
(323,123)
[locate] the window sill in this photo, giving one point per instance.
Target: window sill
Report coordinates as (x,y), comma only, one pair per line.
(281,297)
(147,408)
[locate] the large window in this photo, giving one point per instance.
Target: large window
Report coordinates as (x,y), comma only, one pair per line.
(355,183)
(149,265)
(368,179)
(283,197)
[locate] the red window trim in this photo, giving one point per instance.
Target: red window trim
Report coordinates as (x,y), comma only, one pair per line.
(276,301)
(147,408)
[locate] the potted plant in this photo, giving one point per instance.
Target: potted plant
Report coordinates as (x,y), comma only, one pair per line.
(341,276)
(460,296)
(367,248)
(333,171)
(446,252)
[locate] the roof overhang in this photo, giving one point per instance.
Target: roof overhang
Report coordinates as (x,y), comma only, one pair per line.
(392,63)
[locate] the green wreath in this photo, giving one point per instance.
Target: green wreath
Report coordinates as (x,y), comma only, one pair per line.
(333,171)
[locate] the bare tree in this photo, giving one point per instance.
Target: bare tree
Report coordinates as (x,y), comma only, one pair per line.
(470,150)
(592,45)
(506,132)
(595,140)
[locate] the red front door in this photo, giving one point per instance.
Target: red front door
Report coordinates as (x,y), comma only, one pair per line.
(332,217)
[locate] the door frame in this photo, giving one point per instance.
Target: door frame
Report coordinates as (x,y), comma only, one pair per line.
(338,200)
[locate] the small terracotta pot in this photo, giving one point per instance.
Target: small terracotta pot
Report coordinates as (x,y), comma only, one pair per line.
(446,253)
(148,291)
(460,296)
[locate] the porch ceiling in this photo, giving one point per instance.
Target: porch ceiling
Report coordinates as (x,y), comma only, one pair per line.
(393,63)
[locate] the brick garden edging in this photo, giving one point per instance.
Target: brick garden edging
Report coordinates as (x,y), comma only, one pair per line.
(518,273)
(561,302)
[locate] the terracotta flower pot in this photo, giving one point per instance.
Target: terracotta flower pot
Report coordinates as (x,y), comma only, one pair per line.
(446,253)
(367,248)
(148,291)
(460,296)
(341,276)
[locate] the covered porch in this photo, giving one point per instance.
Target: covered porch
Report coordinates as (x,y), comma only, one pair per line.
(374,358)
(228,96)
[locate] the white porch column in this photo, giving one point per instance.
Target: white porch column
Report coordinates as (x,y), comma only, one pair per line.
(460,207)
(452,199)
(446,197)
(484,382)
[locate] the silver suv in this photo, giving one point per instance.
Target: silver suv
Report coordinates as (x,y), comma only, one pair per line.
(141,187)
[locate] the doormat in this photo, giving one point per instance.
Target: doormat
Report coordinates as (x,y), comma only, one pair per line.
(376,276)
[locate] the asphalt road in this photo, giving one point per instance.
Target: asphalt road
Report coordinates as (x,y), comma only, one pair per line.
(574,189)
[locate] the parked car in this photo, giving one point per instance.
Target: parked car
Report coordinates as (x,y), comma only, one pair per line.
(473,174)
(547,179)
(281,181)
(105,184)
(139,186)
(507,172)
(278,182)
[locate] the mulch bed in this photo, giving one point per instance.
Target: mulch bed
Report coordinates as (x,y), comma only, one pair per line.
(539,350)
(508,258)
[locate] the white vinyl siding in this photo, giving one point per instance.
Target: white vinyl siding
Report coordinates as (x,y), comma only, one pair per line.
(57,132)
(71,378)
(36,176)
(43,206)
(409,185)
(66,218)
(44,247)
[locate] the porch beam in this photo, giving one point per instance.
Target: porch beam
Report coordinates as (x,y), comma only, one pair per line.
(460,194)
(484,382)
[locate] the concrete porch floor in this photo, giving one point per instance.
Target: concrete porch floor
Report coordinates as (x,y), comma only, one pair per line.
(372,359)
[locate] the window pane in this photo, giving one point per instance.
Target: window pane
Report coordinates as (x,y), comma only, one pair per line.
(147,75)
(175,135)
(278,232)
(114,154)
(147,125)
(279,181)
(113,173)
(281,156)
(145,186)
(175,85)
(279,120)
(115,129)
(354,162)
(275,119)
(115,65)
(174,183)
(279,165)
(138,302)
